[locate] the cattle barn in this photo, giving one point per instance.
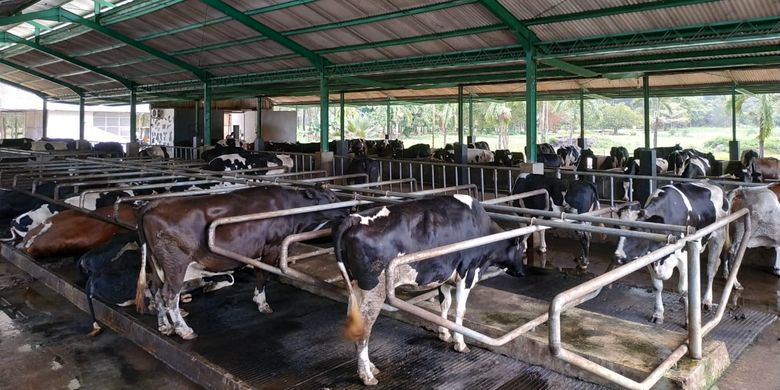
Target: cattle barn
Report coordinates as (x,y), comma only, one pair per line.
(399,194)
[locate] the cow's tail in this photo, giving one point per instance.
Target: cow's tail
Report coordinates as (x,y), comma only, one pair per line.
(141,285)
(354,328)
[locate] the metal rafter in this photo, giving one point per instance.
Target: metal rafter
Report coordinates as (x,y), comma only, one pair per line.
(63,15)
(528,38)
(52,79)
(272,34)
(687,36)
(23,88)
(7,37)
(618,10)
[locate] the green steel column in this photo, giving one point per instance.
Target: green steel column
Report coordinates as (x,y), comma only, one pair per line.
(197,122)
(387,125)
(733,111)
(582,117)
(259,143)
(341,115)
(133,125)
(530,102)
(460,114)
(471,117)
(81,117)
(45,118)
(206,114)
(646,99)
(324,112)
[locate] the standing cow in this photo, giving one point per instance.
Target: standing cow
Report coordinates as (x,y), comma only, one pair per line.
(685,204)
(174,230)
(764,206)
(580,196)
(367,242)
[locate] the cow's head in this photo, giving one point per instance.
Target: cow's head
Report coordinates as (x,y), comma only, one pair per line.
(557,193)
(631,248)
(358,147)
(511,258)
(321,195)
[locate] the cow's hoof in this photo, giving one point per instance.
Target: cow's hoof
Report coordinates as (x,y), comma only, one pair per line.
(462,348)
(96,329)
(657,319)
(186,333)
(445,336)
(185,298)
(542,250)
(368,380)
(265,308)
(738,285)
(165,329)
(374,370)
(709,306)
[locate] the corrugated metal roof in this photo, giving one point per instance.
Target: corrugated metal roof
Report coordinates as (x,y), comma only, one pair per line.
(202,36)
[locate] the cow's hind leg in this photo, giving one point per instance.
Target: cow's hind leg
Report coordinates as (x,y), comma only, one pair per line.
(584,237)
(461,295)
(542,242)
(163,324)
(682,282)
(170,294)
(370,305)
(445,300)
(716,242)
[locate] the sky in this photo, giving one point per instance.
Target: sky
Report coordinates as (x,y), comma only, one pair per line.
(12,98)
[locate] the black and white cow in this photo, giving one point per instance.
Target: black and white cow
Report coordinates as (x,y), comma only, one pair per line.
(619,156)
(580,197)
(685,204)
(696,166)
(92,201)
(661,166)
(569,155)
(16,143)
(238,162)
(363,164)
(231,142)
(367,242)
(417,151)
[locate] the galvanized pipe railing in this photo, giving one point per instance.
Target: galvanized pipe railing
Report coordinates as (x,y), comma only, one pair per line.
(59,186)
(695,333)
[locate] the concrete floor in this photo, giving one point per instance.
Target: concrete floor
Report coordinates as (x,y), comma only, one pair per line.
(43,342)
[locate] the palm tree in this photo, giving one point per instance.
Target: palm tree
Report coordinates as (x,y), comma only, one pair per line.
(765,121)
(500,115)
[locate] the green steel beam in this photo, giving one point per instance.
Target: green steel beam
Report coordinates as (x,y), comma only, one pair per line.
(305,30)
(252,12)
(45,118)
(73,18)
(646,105)
(206,114)
(753,30)
(733,111)
(272,34)
(569,67)
(582,117)
(81,117)
(341,116)
(133,127)
(530,105)
(7,37)
(370,83)
(23,88)
(528,38)
(32,72)
(324,111)
(618,10)
(461,115)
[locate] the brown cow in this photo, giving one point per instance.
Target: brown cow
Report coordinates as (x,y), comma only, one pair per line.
(73,232)
(760,168)
(764,206)
(174,230)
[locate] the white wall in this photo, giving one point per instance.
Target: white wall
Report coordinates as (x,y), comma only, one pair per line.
(278,126)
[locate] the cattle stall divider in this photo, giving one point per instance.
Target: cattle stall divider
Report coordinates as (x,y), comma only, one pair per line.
(696,332)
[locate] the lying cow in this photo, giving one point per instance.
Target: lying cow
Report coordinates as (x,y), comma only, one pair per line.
(238,162)
(368,241)
(685,204)
(73,232)
(764,206)
(580,197)
(22,224)
(155,151)
(174,230)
